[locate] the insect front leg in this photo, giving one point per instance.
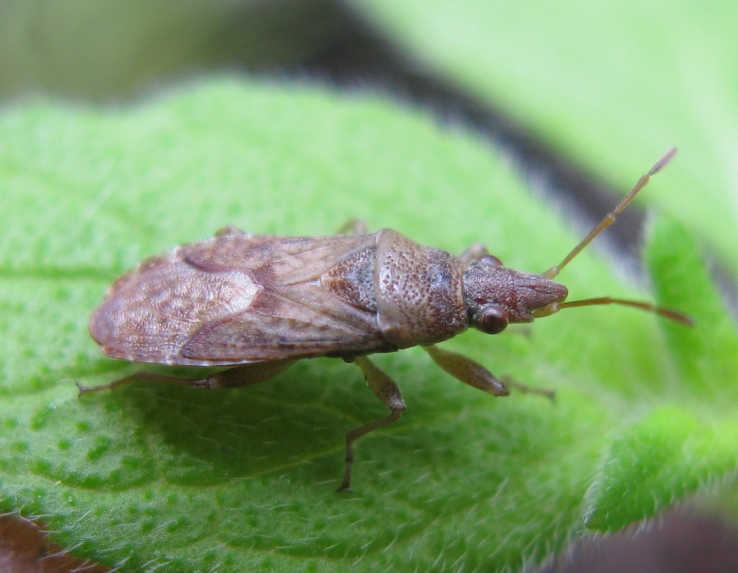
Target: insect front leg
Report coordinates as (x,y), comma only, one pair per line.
(525,389)
(467,371)
(389,393)
(243,375)
(474,374)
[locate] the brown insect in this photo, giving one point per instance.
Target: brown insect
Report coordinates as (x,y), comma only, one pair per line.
(258,303)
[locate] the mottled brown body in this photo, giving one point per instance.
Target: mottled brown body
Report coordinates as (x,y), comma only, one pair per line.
(240,298)
(258,303)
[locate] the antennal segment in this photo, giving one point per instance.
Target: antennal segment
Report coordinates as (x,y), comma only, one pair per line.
(609,219)
(647,306)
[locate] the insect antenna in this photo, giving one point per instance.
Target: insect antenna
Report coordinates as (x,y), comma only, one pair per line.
(609,219)
(647,306)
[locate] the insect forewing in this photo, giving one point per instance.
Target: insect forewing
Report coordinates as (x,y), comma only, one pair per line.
(233,299)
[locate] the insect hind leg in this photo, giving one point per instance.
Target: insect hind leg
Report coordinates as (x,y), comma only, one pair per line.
(389,393)
(242,375)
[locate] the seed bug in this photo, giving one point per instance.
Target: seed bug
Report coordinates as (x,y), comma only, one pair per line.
(259,303)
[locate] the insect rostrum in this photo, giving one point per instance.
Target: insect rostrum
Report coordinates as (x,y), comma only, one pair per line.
(258,303)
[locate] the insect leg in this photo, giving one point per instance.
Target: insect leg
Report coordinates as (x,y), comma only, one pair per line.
(354,227)
(476,251)
(525,389)
(389,393)
(243,375)
(471,372)
(467,371)
(231,231)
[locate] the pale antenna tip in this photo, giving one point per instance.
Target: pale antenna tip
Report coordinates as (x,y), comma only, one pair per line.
(661,163)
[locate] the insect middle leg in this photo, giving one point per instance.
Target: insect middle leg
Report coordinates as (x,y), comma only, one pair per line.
(354,227)
(389,393)
(242,375)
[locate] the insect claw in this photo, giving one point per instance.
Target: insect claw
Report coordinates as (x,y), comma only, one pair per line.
(86,389)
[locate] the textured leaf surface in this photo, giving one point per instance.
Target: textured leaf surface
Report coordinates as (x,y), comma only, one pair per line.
(175,479)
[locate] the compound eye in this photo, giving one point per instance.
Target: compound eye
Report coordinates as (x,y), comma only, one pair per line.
(493,320)
(490,260)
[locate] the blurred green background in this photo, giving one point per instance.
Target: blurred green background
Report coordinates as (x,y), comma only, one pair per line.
(582,96)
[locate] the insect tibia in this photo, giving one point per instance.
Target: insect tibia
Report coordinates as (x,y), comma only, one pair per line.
(89,389)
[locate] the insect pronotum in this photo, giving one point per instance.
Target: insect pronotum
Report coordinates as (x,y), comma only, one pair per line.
(258,303)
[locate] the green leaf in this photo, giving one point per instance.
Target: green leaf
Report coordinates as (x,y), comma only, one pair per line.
(691,440)
(657,461)
(706,354)
(609,84)
(146,477)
